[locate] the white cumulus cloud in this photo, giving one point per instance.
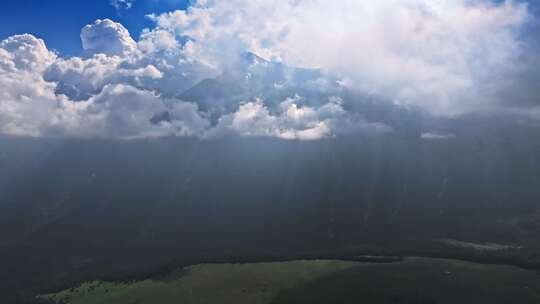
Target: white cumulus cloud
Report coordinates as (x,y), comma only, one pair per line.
(30,103)
(107,37)
(294,122)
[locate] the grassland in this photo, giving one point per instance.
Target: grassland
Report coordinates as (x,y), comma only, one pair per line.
(216,283)
(414,281)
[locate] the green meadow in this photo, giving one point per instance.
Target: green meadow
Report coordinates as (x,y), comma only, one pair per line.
(216,283)
(414,281)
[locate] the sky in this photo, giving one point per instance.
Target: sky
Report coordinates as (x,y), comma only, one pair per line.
(59,22)
(288,69)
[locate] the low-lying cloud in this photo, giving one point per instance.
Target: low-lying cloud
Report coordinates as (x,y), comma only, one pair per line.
(198,72)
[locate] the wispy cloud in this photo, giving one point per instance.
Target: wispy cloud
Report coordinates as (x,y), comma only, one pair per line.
(122,4)
(437,136)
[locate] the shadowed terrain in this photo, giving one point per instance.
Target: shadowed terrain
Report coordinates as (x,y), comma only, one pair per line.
(80,210)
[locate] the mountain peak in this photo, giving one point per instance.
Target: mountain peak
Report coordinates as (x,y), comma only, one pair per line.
(251,58)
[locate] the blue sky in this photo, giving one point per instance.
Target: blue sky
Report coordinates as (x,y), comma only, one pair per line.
(59,22)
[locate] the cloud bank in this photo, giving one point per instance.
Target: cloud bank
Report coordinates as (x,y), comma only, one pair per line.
(269,69)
